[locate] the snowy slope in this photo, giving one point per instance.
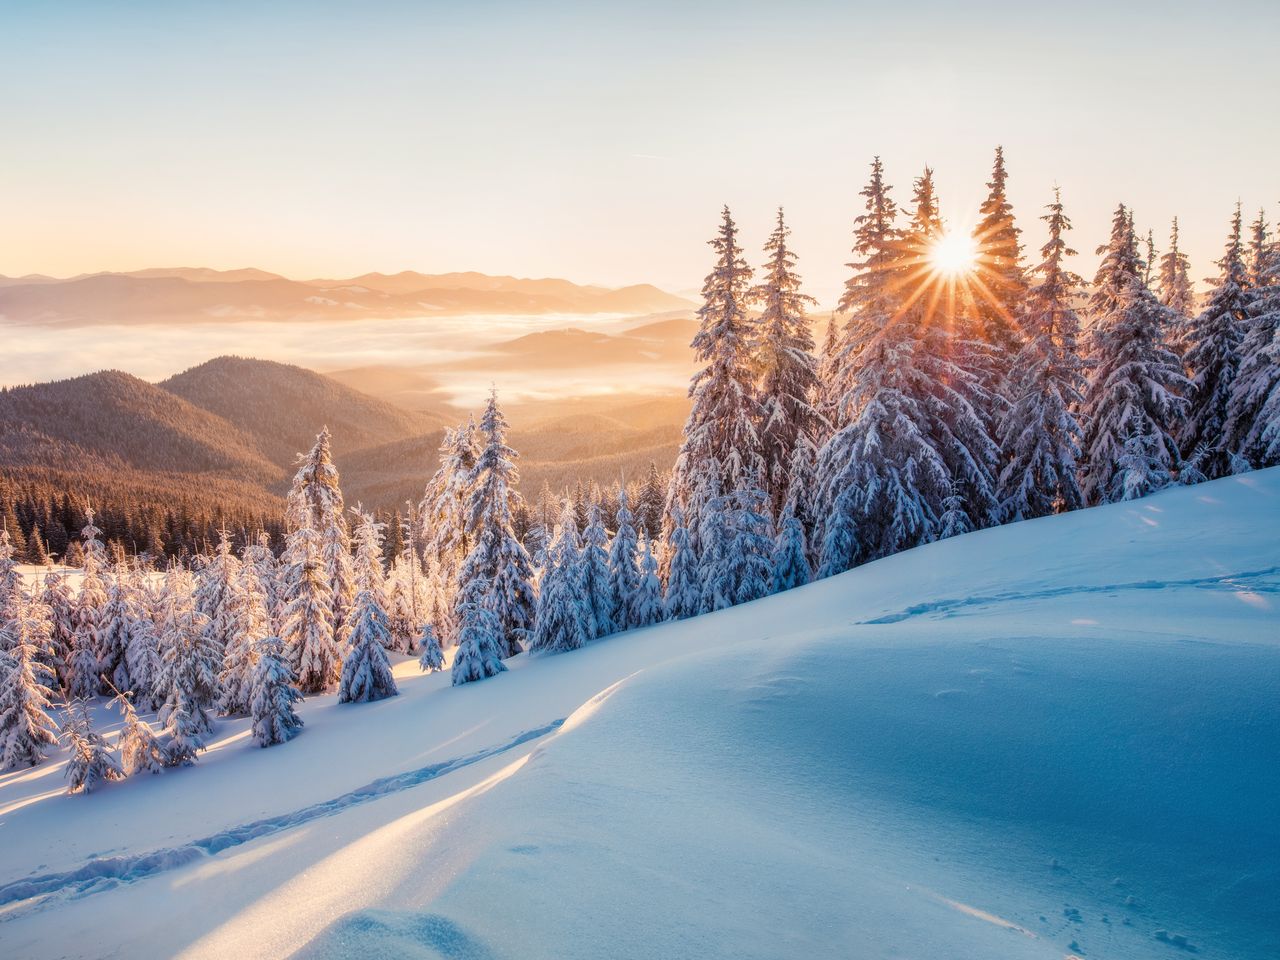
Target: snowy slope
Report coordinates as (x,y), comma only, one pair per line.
(1056,738)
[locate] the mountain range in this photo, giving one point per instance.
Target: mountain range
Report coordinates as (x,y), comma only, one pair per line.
(200,294)
(230,429)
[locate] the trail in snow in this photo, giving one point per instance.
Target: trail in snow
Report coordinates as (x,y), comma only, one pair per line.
(104,873)
(1255,580)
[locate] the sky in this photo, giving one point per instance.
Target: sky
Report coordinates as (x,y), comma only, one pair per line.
(598,141)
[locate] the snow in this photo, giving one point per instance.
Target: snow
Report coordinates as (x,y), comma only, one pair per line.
(1056,738)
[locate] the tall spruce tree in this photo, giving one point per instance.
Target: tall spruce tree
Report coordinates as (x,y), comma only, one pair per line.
(682,596)
(498,571)
(308,637)
(1133,396)
(1000,270)
(721,443)
(624,572)
(90,603)
(1039,435)
(480,640)
(562,608)
(787,367)
(1175,287)
(26,728)
(646,600)
(189,673)
(315,500)
(1213,359)
(366,671)
(597,585)
(274,694)
(1254,409)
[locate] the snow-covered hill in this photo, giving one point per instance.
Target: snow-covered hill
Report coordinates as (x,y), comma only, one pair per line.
(1059,738)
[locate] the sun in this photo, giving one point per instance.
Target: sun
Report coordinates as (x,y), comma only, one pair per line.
(953,254)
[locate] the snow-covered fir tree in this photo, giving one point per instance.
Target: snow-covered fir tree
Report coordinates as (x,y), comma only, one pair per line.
(118,614)
(140,748)
(1039,434)
(315,500)
(1212,359)
(368,574)
(498,571)
(720,436)
(646,600)
(802,500)
(9,578)
(561,621)
(90,603)
(597,585)
(480,641)
(274,718)
(790,561)
(683,594)
(189,673)
(408,600)
(366,671)
(90,763)
(308,637)
(442,514)
(1174,285)
(1254,409)
(218,594)
(142,655)
(60,602)
(749,560)
(1133,397)
(999,264)
(252,624)
(26,728)
(909,426)
(787,367)
(624,572)
(262,559)
(431,659)
(651,501)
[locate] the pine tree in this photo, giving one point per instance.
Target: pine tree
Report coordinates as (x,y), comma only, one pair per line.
(788,368)
(117,623)
(82,667)
(369,576)
(315,500)
(683,593)
(432,657)
(1254,408)
(1175,286)
(57,599)
(999,264)
(259,557)
(720,438)
(139,747)
(218,595)
(308,637)
(910,427)
(1133,396)
(646,601)
(189,673)
(790,557)
(91,762)
(443,515)
(1212,360)
(9,578)
(749,558)
(560,624)
(624,574)
(498,570)
(479,653)
(37,552)
(274,695)
(597,584)
(26,728)
(1039,434)
(252,625)
(407,601)
(366,671)
(142,655)
(651,502)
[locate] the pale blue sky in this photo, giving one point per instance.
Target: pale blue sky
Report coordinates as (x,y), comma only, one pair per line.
(598,141)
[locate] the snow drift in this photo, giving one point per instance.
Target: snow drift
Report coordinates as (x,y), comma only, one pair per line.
(1058,738)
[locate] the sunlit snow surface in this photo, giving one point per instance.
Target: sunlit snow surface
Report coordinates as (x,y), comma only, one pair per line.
(1060,738)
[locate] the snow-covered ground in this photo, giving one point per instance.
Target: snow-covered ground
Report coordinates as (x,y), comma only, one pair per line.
(1055,739)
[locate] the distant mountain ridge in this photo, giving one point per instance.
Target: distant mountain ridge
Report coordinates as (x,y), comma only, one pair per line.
(199,294)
